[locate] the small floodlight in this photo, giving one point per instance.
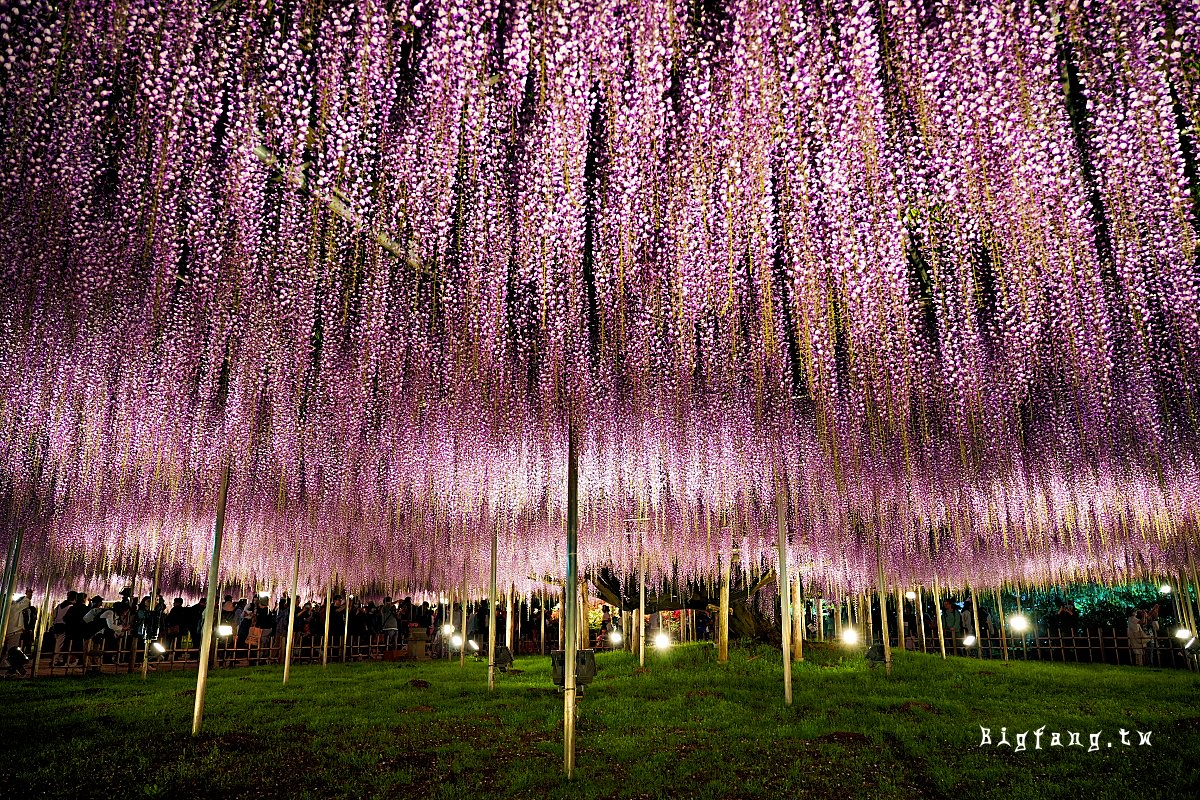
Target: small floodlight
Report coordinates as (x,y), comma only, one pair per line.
(447,629)
(662,641)
(158,647)
(224,630)
(1183,633)
(264,594)
(850,636)
(910,595)
(615,637)
(474,646)
(18,596)
(1164,589)
(1018,623)
(969,640)
(456,640)
(1192,646)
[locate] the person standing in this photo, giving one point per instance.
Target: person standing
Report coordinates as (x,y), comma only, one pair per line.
(951,624)
(1135,632)
(60,629)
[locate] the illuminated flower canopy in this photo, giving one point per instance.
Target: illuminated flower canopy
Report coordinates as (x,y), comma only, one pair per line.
(932,266)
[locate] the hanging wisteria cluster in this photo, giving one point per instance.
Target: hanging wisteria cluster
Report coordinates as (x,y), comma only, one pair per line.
(928,267)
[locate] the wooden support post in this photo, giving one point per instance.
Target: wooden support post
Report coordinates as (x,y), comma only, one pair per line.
(570,587)
(883,617)
(1003,632)
(723,616)
(509,622)
(542,619)
(937,615)
(39,630)
(641,635)
(346,598)
(158,619)
(11,573)
(462,653)
(293,601)
(208,626)
(491,675)
(785,595)
(921,617)
(975,620)
(328,631)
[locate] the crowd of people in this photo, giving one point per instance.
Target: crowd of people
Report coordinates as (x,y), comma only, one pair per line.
(87,632)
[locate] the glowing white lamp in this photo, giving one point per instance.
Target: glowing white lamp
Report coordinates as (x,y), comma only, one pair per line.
(850,636)
(1018,623)
(456,640)
(662,641)
(224,630)
(910,595)
(969,640)
(447,629)
(615,637)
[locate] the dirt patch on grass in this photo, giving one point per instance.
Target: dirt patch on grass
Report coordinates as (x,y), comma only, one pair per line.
(186,693)
(915,705)
(283,701)
(417,710)
(417,683)
(705,693)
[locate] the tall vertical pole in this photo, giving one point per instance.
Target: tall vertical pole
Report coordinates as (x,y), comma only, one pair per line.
(542,620)
(346,622)
(570,588)
(39,630)
(937,614)
(921,616)
(208,626)
(509,623)
(1003,633)
(799,612)
(900,617)
(10,581)
(462,651)
(883,617)
(975,619)
(328,620)
(158,619)
(641,632)
(723,616)
(785,594)
(492,611)
(293,601)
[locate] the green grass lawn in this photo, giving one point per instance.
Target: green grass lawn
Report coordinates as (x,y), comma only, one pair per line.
(685,727)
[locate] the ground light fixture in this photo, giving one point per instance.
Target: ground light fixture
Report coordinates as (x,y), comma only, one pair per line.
(473,645)
(447,629)
(1183,633)
(615,637)
(264,594)
(456,641)
(910,595)
(224,630)
(1018,623)
(1164,589)
(662,641)
(850,636)
(158,647)
(969,640)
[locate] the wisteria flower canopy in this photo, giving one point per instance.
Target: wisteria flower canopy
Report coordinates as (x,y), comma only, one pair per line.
(930,268)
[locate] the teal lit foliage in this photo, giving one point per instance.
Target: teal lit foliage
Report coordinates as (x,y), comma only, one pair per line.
(1100,606)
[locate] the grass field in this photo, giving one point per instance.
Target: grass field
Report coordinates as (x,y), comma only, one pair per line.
(684,727)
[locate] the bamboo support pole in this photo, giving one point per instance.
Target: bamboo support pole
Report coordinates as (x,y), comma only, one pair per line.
(937,615)
(39,630)
(1003,632)
(975,620)
(11,573)
(723,616)
(491,674)
(328,627)
(293,601)
(641,634)
(921,617)
(785,599)
(208,626)
(570,588)
(158,619)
